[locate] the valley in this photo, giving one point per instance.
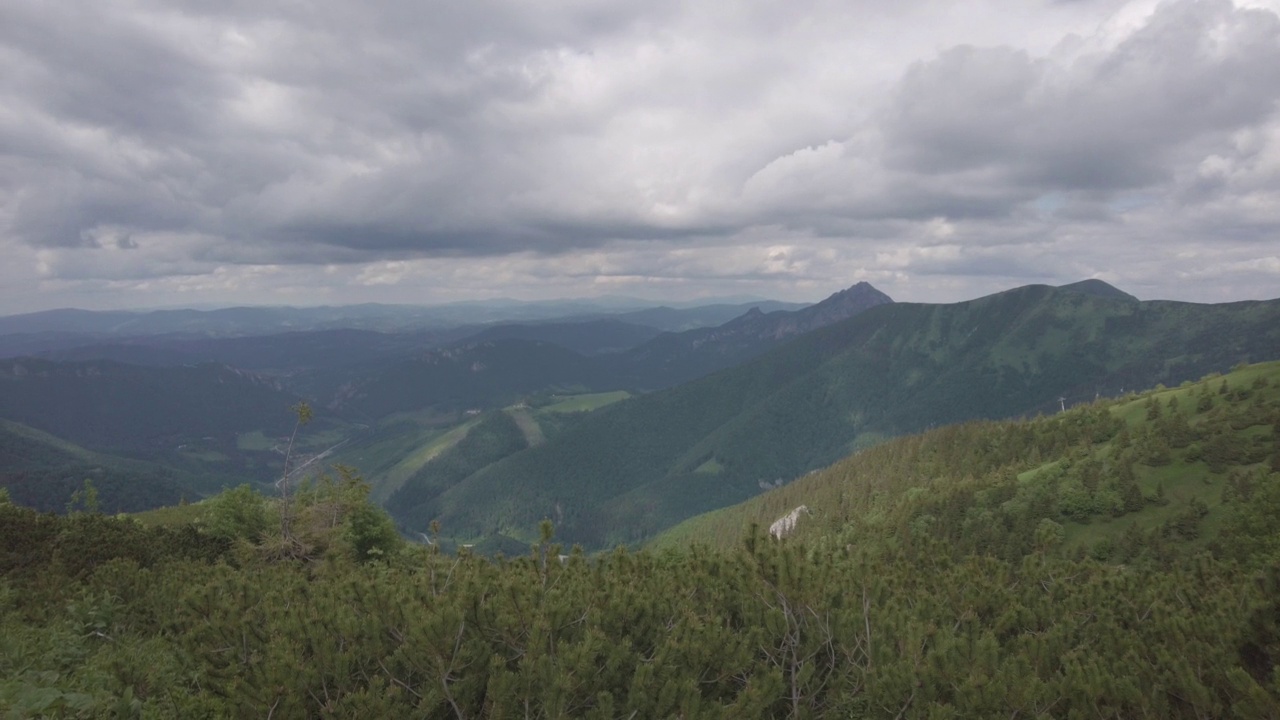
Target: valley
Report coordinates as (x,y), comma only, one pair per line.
(1050,501)
(614,430)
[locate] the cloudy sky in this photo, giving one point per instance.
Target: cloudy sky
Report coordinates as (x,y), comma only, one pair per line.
(161,153)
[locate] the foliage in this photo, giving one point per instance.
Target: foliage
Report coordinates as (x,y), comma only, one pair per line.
(769,630)
(44,472)
(240,512)
(496,436)
(629,471)
(1000,488)
(940,575)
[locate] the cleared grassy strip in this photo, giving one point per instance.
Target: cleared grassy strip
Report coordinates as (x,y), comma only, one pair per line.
(585,402)
(710,467)
(173,516)
(256,440)
(393,478)
(528,425)
(50,440)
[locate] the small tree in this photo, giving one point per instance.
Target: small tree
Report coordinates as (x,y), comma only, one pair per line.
(238,513)
(303,412)
(86,497)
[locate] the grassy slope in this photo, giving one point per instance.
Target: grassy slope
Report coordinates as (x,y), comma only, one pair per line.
(402,444)
(583,403)
(529,427)
(632,470)
(860,496)
(489,439)
(397,449)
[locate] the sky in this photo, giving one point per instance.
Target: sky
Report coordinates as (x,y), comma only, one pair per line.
(159,153)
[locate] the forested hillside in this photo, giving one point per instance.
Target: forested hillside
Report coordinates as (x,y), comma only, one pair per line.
(116,407)
(147,436)
(44,472)
(675,358)
(638,467)
(953,574)
(1166,473)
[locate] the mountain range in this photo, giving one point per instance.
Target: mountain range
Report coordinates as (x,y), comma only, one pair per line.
(639,466)
(716,415)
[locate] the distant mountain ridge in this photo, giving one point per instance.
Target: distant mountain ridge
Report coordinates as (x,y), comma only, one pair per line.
(679,357)
(633,468)
(54,326)
(498,365)
(1099,288)
(113,407)
(42,471)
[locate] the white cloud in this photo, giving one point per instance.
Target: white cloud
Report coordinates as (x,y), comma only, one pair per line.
(151,151)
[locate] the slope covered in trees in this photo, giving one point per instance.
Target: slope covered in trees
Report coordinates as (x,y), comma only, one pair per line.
(43,472)
(636,468)
(1170,472)
(146,436)
(115,407)
(876,613)
(500,365)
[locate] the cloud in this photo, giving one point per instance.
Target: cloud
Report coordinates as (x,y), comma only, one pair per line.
(568,146)
(1114,120)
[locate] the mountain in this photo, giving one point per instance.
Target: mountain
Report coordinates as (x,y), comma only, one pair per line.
(499,365)
(479,374)
(586,337)
(1098,288)
(679,319)
(280,354)
(1115,560)
(54,329)
(1168,471)
(42,471)
(679,357)
(115,407)
(637,467)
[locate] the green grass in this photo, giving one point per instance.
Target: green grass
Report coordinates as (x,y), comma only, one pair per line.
(45,438)
(387,461)
(256,441)
(172,516)
(585,402)
(528,425)
(204,455)
(1180,483)
(710,467)
(320,439)
(878,493)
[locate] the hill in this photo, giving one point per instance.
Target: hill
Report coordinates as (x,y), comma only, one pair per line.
(116,407)
(1169,472)
(954,576)
(673,358)
(209,425)
(672,319)
(586,337)
(500,365)
(43,472)
(480,374)
(640,466)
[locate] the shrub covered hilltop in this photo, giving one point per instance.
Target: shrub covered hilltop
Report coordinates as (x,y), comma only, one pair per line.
(1120,559)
